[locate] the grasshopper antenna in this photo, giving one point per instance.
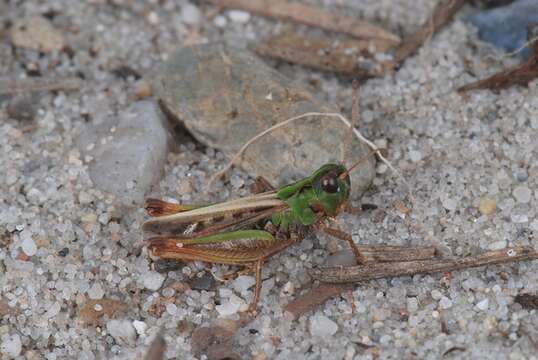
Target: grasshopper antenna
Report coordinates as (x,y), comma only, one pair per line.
(358,162)
(355,118)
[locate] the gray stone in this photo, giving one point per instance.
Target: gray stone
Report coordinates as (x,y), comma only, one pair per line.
(127,153)
(225,96)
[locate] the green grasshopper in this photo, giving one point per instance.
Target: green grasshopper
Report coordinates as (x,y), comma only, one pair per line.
(249,230)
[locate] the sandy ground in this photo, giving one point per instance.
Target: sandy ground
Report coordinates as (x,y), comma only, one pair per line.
(453,150)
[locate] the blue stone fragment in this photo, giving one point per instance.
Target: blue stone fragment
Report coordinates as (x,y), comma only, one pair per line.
(506,27)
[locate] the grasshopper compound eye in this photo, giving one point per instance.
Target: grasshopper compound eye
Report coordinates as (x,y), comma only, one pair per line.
(329,183)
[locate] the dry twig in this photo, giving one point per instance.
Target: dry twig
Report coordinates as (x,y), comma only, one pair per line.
(325,54)
(310,15)
(402,268)
(13,86)
(373,254)
(519,75)
(441,15)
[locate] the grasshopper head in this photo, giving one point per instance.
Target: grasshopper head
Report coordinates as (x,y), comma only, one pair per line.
(331,184)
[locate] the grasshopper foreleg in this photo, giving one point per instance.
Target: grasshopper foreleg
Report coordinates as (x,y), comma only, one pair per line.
(361,259)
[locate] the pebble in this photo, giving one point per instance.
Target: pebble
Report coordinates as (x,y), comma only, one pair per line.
(189,83)
(36,33)
(11,345)
(322,326)
(519,218)
(190,14)
(522,194)
(498,245)
(96,292)
(483,305)
(29,246)
(242,283)
(140,327)
(23,108)
(506,26)
(171,309)
(449,204)
(412,304)
(445,303)
(121,330)
(239,16)
(89,218)
(534,225)
(415,156)
(133,160)
(436,294)
(152,280)
(487,205)
(85,198)
(228,308)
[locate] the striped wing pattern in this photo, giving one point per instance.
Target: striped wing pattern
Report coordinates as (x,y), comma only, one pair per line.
(215,233)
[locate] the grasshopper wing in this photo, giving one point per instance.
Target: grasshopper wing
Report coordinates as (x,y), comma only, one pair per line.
(217,218)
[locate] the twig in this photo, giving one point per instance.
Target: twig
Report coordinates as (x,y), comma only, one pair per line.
(441,15)
(519,75)
(310,15)
(319,295)
(157,348)
(13,86)
(327,54)
(340,117)
(383,270)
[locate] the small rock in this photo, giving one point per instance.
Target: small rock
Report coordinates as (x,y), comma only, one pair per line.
(29,246)
(142,90)
(129,160)
(206,88)
(228,308)
(415,156)
(140,327)
(84,198)
(152,280)
(498,245)
(322,326)
(96,292)
(506,27)
(436,294)
(23,108)
(11,345)
(449,204)
(522,194)
(36,33)
(214,341)
(412,304)
(519,218)
(205,282)
(487,205)
(190,14)
(239,16)
(534,225)
(89,218)
(483,305)
(242,283)
(121,330)
(445,303)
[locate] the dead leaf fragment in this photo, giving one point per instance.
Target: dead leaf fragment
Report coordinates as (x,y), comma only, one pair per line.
(93,311)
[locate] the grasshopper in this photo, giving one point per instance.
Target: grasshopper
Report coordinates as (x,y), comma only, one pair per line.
(249,230)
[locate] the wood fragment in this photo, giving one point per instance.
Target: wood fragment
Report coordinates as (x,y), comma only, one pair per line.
(519,75)
(441,15)
(314,298)
(327,54)
(373,271)
(319,295)
(310,15)
(14,86)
